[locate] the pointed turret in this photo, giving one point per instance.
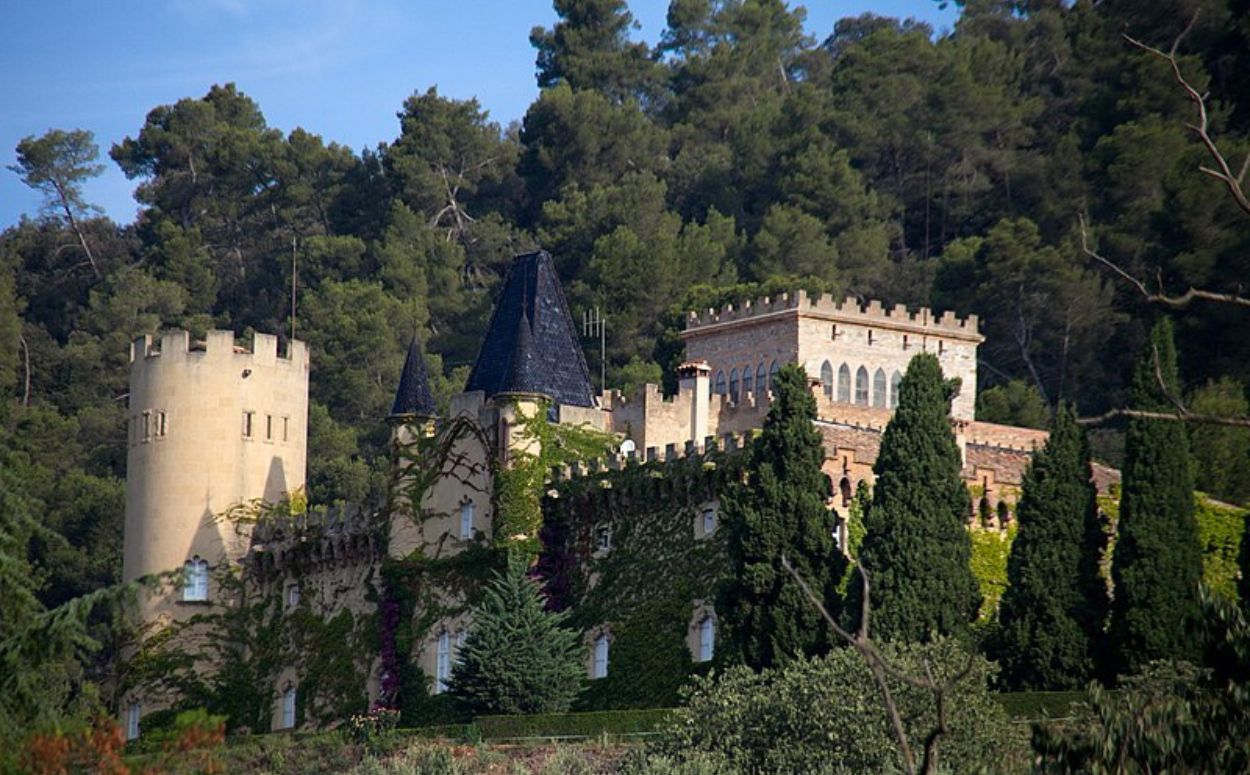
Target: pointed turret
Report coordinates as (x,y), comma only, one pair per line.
(413,397)
(531,344)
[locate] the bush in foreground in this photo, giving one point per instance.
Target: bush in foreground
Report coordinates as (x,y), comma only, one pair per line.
(826,715)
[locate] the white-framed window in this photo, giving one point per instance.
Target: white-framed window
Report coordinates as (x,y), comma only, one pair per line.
(147,426)
(600,667)
(466,519)
(288,708)
(133,714)
(195,580)
(709,519)
(161,425)
(292,595)
(603,538)
(442,663)
(707,638)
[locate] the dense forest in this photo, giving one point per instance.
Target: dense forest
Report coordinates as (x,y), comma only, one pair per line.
(737,157)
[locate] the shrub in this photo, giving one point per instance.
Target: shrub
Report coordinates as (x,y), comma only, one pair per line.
(826,715)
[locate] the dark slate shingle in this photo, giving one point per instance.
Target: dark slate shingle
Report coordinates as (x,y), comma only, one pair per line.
(531,344)
(413,395)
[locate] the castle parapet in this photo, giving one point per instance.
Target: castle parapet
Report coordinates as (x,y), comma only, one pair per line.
(849,310)
(262,350)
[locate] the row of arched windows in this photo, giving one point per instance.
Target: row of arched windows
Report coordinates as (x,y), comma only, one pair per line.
(884,394)
(748,379)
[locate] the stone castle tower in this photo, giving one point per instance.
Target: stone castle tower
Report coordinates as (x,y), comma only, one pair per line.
(212,425)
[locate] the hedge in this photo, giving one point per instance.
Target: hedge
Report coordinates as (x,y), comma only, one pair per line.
(593,724)
(1034,706)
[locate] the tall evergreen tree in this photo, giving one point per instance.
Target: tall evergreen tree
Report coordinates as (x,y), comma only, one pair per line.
(1158,561)
(779,508)
(517,656)
(917,548)
(589,48)
(1055,605)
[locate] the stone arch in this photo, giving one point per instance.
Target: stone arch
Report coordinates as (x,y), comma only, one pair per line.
(861,386)
(748,384)
(761,378)
(844,489)
(826,378)
(844,384)
(720,383)
(880,391)
(733,384)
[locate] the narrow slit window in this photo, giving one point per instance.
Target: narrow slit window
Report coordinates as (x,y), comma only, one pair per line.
(707,638)
(288,708)
(161,424)
(442,666)
(600,669)
(247,424)
(466,519)
(147,426)
(286,427)
(133,714)
(269,427)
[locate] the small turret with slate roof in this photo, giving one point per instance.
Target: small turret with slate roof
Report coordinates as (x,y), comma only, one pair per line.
(531,345)
(413,397)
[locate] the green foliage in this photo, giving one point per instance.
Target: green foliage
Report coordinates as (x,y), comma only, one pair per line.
(1055,606)
(1015,403)
(57,164)
(649,661)
(988,560)
(517,657)
(1171,717)
(589,48)
(1157,564)
(778,511)
(826,715)
(917,547)
(1221,532)
(1221,455)
(593,724)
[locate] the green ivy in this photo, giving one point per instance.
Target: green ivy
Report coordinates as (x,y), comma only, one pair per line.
(990,549)
(1220,527)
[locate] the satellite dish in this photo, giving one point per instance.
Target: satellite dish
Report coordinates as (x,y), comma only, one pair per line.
(628,446)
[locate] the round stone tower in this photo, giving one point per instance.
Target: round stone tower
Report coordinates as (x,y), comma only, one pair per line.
(211,425)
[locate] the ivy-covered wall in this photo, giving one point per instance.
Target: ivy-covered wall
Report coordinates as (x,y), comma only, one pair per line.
(643,589)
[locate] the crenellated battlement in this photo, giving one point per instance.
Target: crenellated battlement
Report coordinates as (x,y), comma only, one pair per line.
(848,310)
(726,443)
(263,349)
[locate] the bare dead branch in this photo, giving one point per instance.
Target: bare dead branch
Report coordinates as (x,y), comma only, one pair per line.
(1177,301)
(1222,171)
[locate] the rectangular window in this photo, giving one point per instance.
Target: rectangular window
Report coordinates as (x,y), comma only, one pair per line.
(286,427)
(600,668)
(870,336)
(466,520)
(288,708)
(904,341)
(161,426)
(133,713)
(707,639)
(603,538)
(269,427)
(147,426)
(442,665)
(833,333)
(292,595)
(247,424)
(709,520)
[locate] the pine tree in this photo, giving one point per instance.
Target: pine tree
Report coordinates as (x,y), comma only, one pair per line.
(517,656)
(1053,611)
(1157,564)
(916,547)
(780,509)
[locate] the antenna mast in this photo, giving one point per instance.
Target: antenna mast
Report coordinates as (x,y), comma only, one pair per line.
(595,323)
(294,281)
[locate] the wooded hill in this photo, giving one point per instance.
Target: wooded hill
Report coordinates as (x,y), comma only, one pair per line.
(736,158)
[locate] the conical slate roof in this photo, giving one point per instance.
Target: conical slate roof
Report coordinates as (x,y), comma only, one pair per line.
(413,395)
(531,344)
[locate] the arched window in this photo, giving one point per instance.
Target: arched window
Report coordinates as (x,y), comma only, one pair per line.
(895,380)
(442,664)
(772,373)
(761,378)
(600,668)
(844,489)
(861,386)
(195,580)
(466,519)
(733,385)
(707,638)
(288,708)
(826,378)
(879,389)
(1004,514)
(748,384)
(844,384)
(720,382)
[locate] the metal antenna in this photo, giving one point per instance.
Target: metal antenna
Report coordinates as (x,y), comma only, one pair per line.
(294,281)
(595,323)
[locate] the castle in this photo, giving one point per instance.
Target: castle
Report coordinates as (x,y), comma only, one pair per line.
(627,542)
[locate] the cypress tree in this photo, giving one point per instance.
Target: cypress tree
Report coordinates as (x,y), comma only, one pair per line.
(916,546)
(1053,611)
(780,508)
(1157,563)
(517,656)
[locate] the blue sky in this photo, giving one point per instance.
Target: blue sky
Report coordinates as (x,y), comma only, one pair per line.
(338,68)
